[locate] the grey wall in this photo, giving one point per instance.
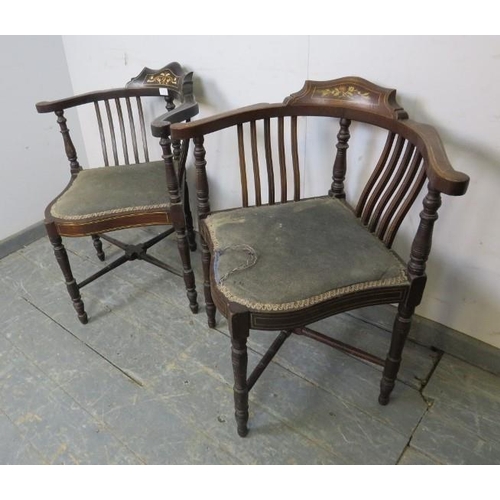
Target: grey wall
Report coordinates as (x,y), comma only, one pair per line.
(33,167)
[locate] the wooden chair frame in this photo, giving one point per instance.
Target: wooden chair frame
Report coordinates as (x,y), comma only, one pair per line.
(381,208)
(174,84)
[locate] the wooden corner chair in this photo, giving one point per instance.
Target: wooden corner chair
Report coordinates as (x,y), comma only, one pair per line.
(287,262)
(132,193)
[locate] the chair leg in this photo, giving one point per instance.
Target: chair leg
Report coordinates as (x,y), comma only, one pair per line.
(239,329)
(71,285)
(189,220)
(188,274)
(400,331)
(209,303)
(98,247)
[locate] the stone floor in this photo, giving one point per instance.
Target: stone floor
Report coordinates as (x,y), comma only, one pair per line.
(147,382)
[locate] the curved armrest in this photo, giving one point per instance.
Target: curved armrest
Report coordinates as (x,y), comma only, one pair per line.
(222,120)
(442,175)
(185,111)
(98,95)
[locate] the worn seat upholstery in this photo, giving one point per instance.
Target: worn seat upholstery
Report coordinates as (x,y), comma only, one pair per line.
(129,188)
(103,191)
(257,250)
(281,261)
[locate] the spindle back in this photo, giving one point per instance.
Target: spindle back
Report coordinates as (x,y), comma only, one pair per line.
(121,115)
(272,149)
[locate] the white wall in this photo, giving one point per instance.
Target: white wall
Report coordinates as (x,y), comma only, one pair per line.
(34,167)
(450,82)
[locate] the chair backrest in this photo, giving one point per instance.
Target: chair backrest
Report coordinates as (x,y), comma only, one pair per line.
(119,114)
(271,147)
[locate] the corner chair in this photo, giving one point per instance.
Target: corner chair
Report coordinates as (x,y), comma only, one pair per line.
(279,261)
(129,189)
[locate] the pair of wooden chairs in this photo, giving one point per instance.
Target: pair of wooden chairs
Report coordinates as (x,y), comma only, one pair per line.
(280,260)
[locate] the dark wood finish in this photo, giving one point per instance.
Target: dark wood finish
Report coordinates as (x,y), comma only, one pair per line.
(98,247)
(340,165)
(412,154)
(337,344)
(119,136)
(267,358)
(282,158)
(239,330)
(269,161)
(63,261)
(177,214)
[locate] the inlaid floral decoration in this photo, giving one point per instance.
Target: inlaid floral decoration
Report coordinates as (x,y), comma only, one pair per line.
(163,78)
(344,92)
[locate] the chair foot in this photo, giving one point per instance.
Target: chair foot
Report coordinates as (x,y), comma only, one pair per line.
(84,319)
(400,331)
(386,387)
(98,247)
(194,308)
(242,430)
(192,241)
(210,309)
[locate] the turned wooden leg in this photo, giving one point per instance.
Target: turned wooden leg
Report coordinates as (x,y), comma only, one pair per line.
(71,285)
(189,220)
(188,274)
(400,331)
(98,247)
(239,329)
(209,303)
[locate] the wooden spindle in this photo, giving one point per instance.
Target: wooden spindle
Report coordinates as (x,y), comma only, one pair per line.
(132,129)
(295,159)
(101,134)
(68,144)
(176,148)
(176,212)
(172,183)
(404,208)
(340,164)
(282,158)
(422,242)
(269,160)
(391,188)
(243,166)
(169,102)
(401,193)
(382,181)
(111,131)
(375,174)
(201,177)
(122,131)
(143,129)
(255,163)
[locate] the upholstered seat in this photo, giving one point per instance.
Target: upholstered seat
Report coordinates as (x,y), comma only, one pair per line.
(282,258)
(99,192)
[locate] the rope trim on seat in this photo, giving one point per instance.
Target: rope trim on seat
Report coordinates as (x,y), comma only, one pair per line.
(402,279)
(58,215)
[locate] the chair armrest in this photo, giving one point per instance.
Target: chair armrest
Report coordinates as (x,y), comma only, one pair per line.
(185,111)
(441,174)
(222,120)
(98,95)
